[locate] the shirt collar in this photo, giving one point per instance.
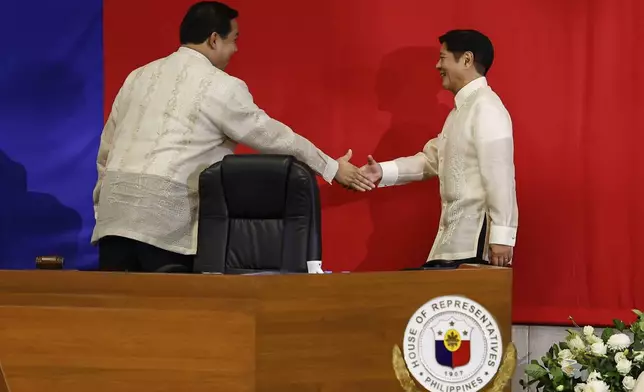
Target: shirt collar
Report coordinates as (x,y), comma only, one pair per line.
(469,88)
(193,53)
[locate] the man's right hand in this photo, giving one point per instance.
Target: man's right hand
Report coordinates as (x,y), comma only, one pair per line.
(372,170)
(350,176)
(501,255)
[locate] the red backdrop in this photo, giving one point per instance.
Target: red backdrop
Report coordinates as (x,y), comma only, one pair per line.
(360,74)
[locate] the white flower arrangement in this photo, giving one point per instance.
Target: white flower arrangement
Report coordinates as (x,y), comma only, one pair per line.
(585,362)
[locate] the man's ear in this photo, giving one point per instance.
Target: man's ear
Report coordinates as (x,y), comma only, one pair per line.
(212,40)
(468,59)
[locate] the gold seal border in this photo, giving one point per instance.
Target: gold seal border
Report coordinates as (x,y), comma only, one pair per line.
(498,383)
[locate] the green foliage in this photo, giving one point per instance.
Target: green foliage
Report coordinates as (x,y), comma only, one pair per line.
(570,363)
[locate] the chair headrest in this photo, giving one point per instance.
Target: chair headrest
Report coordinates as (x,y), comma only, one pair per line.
(255,186)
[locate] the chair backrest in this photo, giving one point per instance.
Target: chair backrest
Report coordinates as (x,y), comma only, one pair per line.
(258,213)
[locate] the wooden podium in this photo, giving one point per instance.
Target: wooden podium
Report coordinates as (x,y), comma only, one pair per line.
(73,331)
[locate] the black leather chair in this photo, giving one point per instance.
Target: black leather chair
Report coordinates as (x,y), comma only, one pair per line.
(258,213)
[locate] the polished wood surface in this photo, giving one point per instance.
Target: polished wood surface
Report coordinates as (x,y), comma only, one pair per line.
(4,387)
(89,331)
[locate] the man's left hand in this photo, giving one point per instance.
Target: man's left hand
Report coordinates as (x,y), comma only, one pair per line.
(500,255)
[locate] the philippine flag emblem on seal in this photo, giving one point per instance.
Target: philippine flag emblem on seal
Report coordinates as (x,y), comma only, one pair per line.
(452,338)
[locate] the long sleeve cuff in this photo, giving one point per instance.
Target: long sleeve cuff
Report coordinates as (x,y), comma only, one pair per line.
(330,170)
(503,235)
(389,174)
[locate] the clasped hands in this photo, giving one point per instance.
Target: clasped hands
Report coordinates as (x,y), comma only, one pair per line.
(359,179)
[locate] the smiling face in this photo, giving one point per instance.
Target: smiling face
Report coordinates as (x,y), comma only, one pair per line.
(211,28)
(454,72)
(222,49)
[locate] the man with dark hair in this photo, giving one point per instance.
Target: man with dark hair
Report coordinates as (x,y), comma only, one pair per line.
(473,158)
(171,119)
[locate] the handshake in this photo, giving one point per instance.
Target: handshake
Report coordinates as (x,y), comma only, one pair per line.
(358,179)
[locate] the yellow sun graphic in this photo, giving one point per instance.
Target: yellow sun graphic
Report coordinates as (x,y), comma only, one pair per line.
(452,340)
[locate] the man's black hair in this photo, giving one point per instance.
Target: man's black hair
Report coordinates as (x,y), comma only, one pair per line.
(203,19)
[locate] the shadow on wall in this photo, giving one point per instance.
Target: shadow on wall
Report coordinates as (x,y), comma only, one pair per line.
(405,218)
(32,223)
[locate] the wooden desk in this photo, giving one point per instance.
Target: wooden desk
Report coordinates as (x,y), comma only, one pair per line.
(94,332)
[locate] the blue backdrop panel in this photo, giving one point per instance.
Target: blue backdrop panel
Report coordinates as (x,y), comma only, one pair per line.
(51,116)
